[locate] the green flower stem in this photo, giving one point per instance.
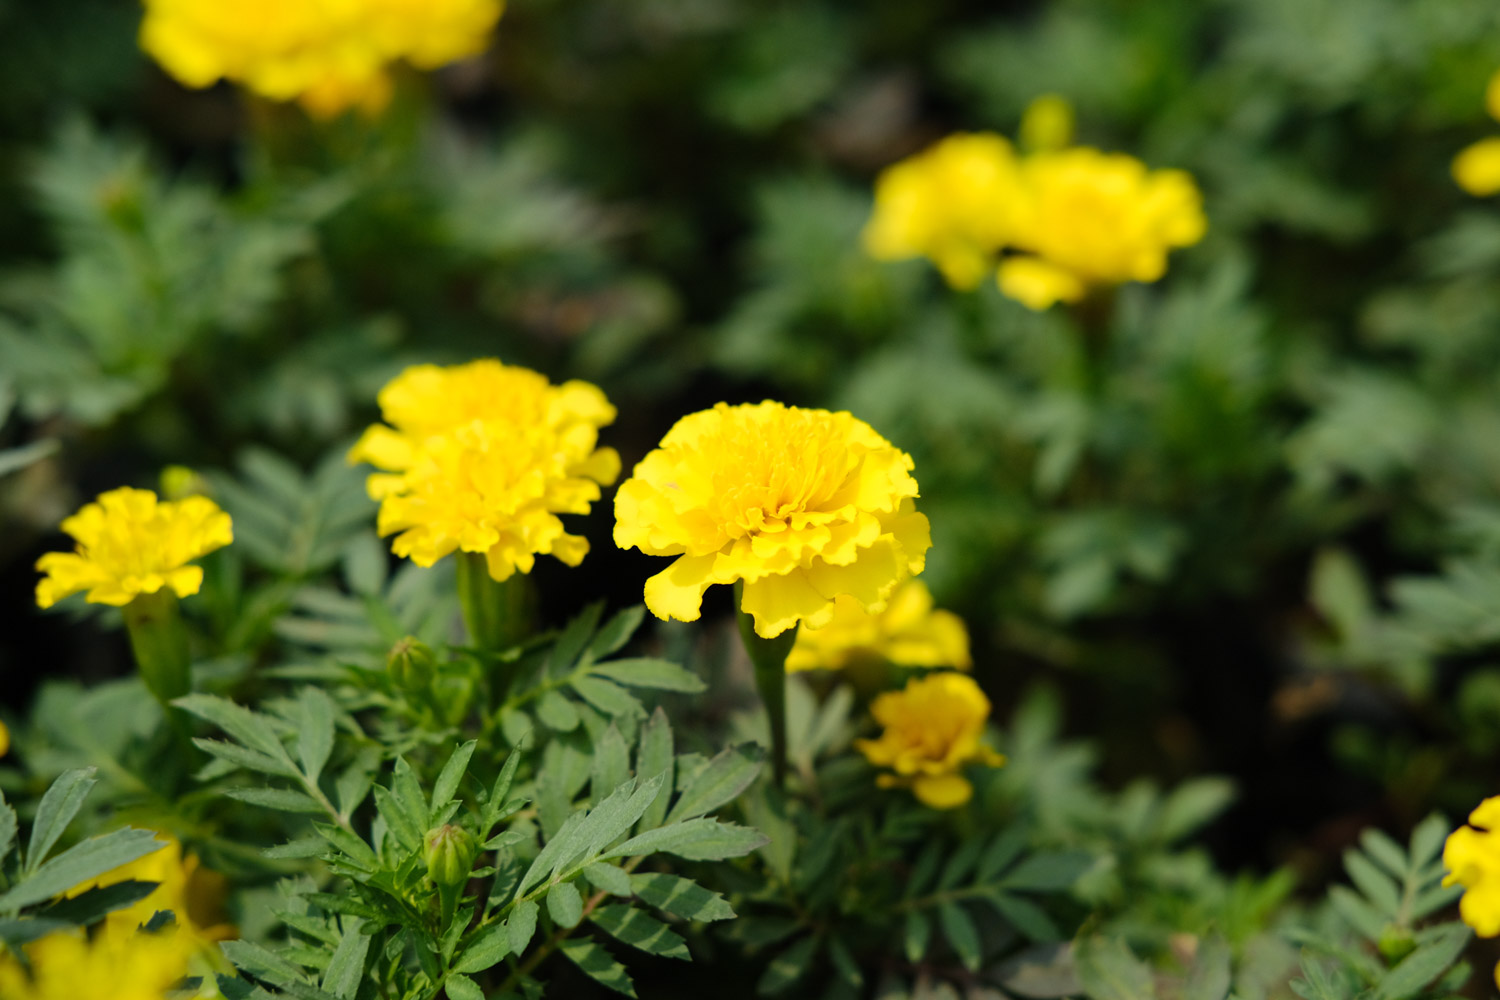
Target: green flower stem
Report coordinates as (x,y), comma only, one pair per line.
(159,641)
(498,615)
(769,658)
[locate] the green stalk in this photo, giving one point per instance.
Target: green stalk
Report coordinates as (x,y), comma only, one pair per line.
(497,615)
(160,644)
(769,659)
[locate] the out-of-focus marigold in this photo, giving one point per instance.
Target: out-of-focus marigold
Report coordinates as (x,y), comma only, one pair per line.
(933,729)
(1477,167)
(129,544)
(332,55)
(66,965)
(1051,223)
(194,895)
(952,203)
(908,633)
(482,457)
(1472,857)
(801,505)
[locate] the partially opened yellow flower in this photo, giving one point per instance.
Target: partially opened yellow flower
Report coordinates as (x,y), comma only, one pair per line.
(67,965)
(130,544)
(483,457)
(908,633)
(933,729)
(952,203)
(193,894)
(799,505)
(332,55)
(1472,857)
(1089,218)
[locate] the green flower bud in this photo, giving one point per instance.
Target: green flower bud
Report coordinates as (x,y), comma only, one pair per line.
(411,665)
(450,854)
(1395,944)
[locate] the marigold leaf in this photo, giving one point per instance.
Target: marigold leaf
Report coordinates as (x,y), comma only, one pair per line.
(641,930)
(599,965)
(79,863)
(730,772)
(680,897)
(651,673)
(61,802)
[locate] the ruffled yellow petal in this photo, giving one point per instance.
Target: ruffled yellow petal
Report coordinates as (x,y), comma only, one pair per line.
(932,731)
(943,791)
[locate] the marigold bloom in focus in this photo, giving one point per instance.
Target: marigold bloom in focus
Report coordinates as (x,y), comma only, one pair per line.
(1472,857)
(933,729)
(193,894)
(332,55)
(66,965)
(129,544)
(801,505)
(951,203)
(908,633)
(482,457)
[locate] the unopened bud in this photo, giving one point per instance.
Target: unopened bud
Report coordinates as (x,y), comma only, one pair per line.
(411,664)
(1396,943)
(450,854)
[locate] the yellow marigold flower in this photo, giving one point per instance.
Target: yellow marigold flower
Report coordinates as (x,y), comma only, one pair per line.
(482,457)
(66,965)
(952,203)
(932,731)
(1097,218)
(908,633)
(129,544)
(1477,168)
(194,895)
(331,54)
(800,505)
(1472,857)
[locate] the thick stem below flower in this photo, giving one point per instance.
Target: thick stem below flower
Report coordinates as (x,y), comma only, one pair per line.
(497,614)
(159,641)
(769,659)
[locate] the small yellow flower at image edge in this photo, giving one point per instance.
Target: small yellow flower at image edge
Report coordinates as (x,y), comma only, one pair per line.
(910,632)
(131,544)
(798,505)
(67,965)
(1472,856)
(1476,168)
(934,728)
(482,458)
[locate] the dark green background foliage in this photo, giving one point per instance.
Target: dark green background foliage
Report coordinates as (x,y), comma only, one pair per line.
(1246,520)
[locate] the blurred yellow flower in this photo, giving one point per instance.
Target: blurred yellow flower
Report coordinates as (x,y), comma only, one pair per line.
(1096,218)
(1050,224)
(1477,167)
(4,740)
(129,544)
(65,965)
(1472,857)
(194,895)
(482,457)
(951,203)
(908,633)
(932,731)
(800,505)
(333,55)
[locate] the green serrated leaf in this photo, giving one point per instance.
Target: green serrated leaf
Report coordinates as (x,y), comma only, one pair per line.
(680,897)
(1001,851)
(917,935)
(78,864)
(484,950)
(650,673)
(91,905)
(1378,887)
(59,805)
(640,930)
(461,987)
(653,758)
(242,756)
(1047,872)
(728,774)
(346,968)
(611,765)
(599,965)
(616,632)
(961,934)
(1430,960)
(960,863)
(521,925)
(608,878)
(315,731)
(446,787)
(565,904)
(695,840)
(8,827)
(557,712)
(251,729)
(280,799)
(1026,917)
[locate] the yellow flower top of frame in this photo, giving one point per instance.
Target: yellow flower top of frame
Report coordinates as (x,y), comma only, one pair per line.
(951,203)
(908,633)
(933,729)
(1472,857)
(1477,167)
(194,895)
(482,457)
(66,965)
(1049,223)
(332,55)
(130,543)
(799,505)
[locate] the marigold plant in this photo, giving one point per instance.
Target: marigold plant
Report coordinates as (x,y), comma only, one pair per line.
(482,457)
(193,894)
(332,55)
(800,505)
(129,544)
(910,632)
(933,730)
